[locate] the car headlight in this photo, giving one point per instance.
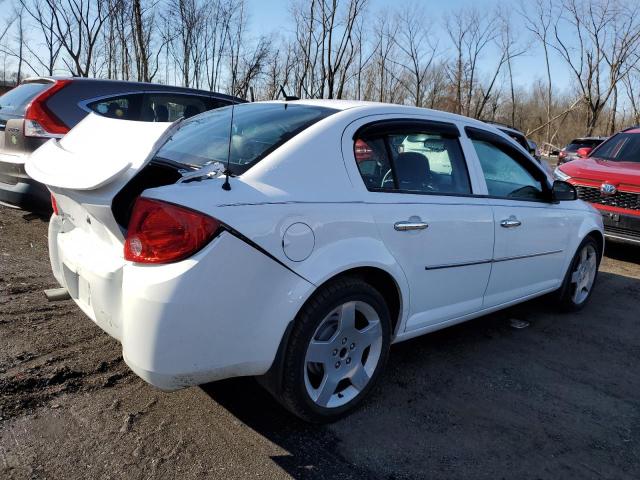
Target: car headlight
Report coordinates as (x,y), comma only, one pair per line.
(560,175)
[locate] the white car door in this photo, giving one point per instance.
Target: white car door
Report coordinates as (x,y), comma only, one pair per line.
(531,232)
(421,198)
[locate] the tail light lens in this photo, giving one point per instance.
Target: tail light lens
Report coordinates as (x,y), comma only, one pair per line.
(161,232)
(562,154)
(39,120)
(54,204)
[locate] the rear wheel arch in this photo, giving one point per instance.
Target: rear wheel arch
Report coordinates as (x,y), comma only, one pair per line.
(378,278)
(382,281)
(301,381)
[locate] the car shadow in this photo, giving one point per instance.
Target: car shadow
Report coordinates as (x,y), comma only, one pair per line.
(623,251)
(312,448)
(543,401)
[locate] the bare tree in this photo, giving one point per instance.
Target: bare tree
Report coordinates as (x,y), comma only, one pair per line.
(143,24)
(20,39)
(325,41)
(251,66)
(509,48)
(607,35)
(472,33)
(418,52)
(340,49)
(539,22)
(279,70)
(631,85)
(384,72)
(235,36)
(188,17)
(38,10)
(77,26)
(216,34)
(306,47)
(21,44)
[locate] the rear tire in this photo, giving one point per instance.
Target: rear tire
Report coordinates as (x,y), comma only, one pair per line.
(580,278)
(337,349)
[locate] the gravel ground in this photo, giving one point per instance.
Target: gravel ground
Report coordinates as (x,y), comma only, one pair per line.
(559,399)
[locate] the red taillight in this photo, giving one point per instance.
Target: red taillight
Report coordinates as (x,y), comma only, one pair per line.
(362,151)
(54,204)
(161,232)
(39,120)
(562,154)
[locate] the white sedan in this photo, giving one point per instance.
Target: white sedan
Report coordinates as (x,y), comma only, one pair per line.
(295,241)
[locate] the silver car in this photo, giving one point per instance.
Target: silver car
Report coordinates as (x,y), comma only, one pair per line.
(48,107)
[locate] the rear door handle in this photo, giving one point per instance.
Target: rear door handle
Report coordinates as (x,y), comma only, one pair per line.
(410,225)
(510,222)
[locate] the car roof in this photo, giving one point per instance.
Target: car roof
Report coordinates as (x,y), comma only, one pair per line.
(161,86)
(387,108)
(505,127)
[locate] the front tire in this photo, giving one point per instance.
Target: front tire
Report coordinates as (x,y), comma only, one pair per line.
(336,351)
(580,279)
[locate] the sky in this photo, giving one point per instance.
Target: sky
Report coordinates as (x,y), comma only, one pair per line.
(267,16)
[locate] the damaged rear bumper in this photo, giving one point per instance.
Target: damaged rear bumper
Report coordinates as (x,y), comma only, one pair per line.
(185,323)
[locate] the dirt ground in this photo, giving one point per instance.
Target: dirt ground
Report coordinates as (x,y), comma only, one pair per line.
(560,399)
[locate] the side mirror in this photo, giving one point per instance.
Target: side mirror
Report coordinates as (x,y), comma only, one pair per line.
(563,191)
(584,152)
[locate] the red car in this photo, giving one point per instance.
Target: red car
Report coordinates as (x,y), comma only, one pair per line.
(608,177)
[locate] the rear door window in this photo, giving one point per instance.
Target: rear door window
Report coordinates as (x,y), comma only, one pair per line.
(124,107)
(412,160)
(15,101)
(166,107)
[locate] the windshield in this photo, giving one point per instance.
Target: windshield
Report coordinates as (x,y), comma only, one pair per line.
(623,147)
(258,129)
(16,100)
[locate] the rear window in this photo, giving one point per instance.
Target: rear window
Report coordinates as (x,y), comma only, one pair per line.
(15,101)
(520,139)
(576,144)
(623,147)
(257,130)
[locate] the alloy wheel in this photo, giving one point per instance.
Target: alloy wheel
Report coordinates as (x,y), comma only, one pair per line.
(584,274)
(343,354)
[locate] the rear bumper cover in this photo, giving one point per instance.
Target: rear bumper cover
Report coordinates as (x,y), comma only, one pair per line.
(19,190)
(618,226)
(219,314)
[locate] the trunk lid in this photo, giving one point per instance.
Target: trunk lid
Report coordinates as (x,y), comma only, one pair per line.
(90,165)
(96,152)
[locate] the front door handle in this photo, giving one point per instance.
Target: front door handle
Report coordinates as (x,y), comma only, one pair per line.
(510,222)
(410,225)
